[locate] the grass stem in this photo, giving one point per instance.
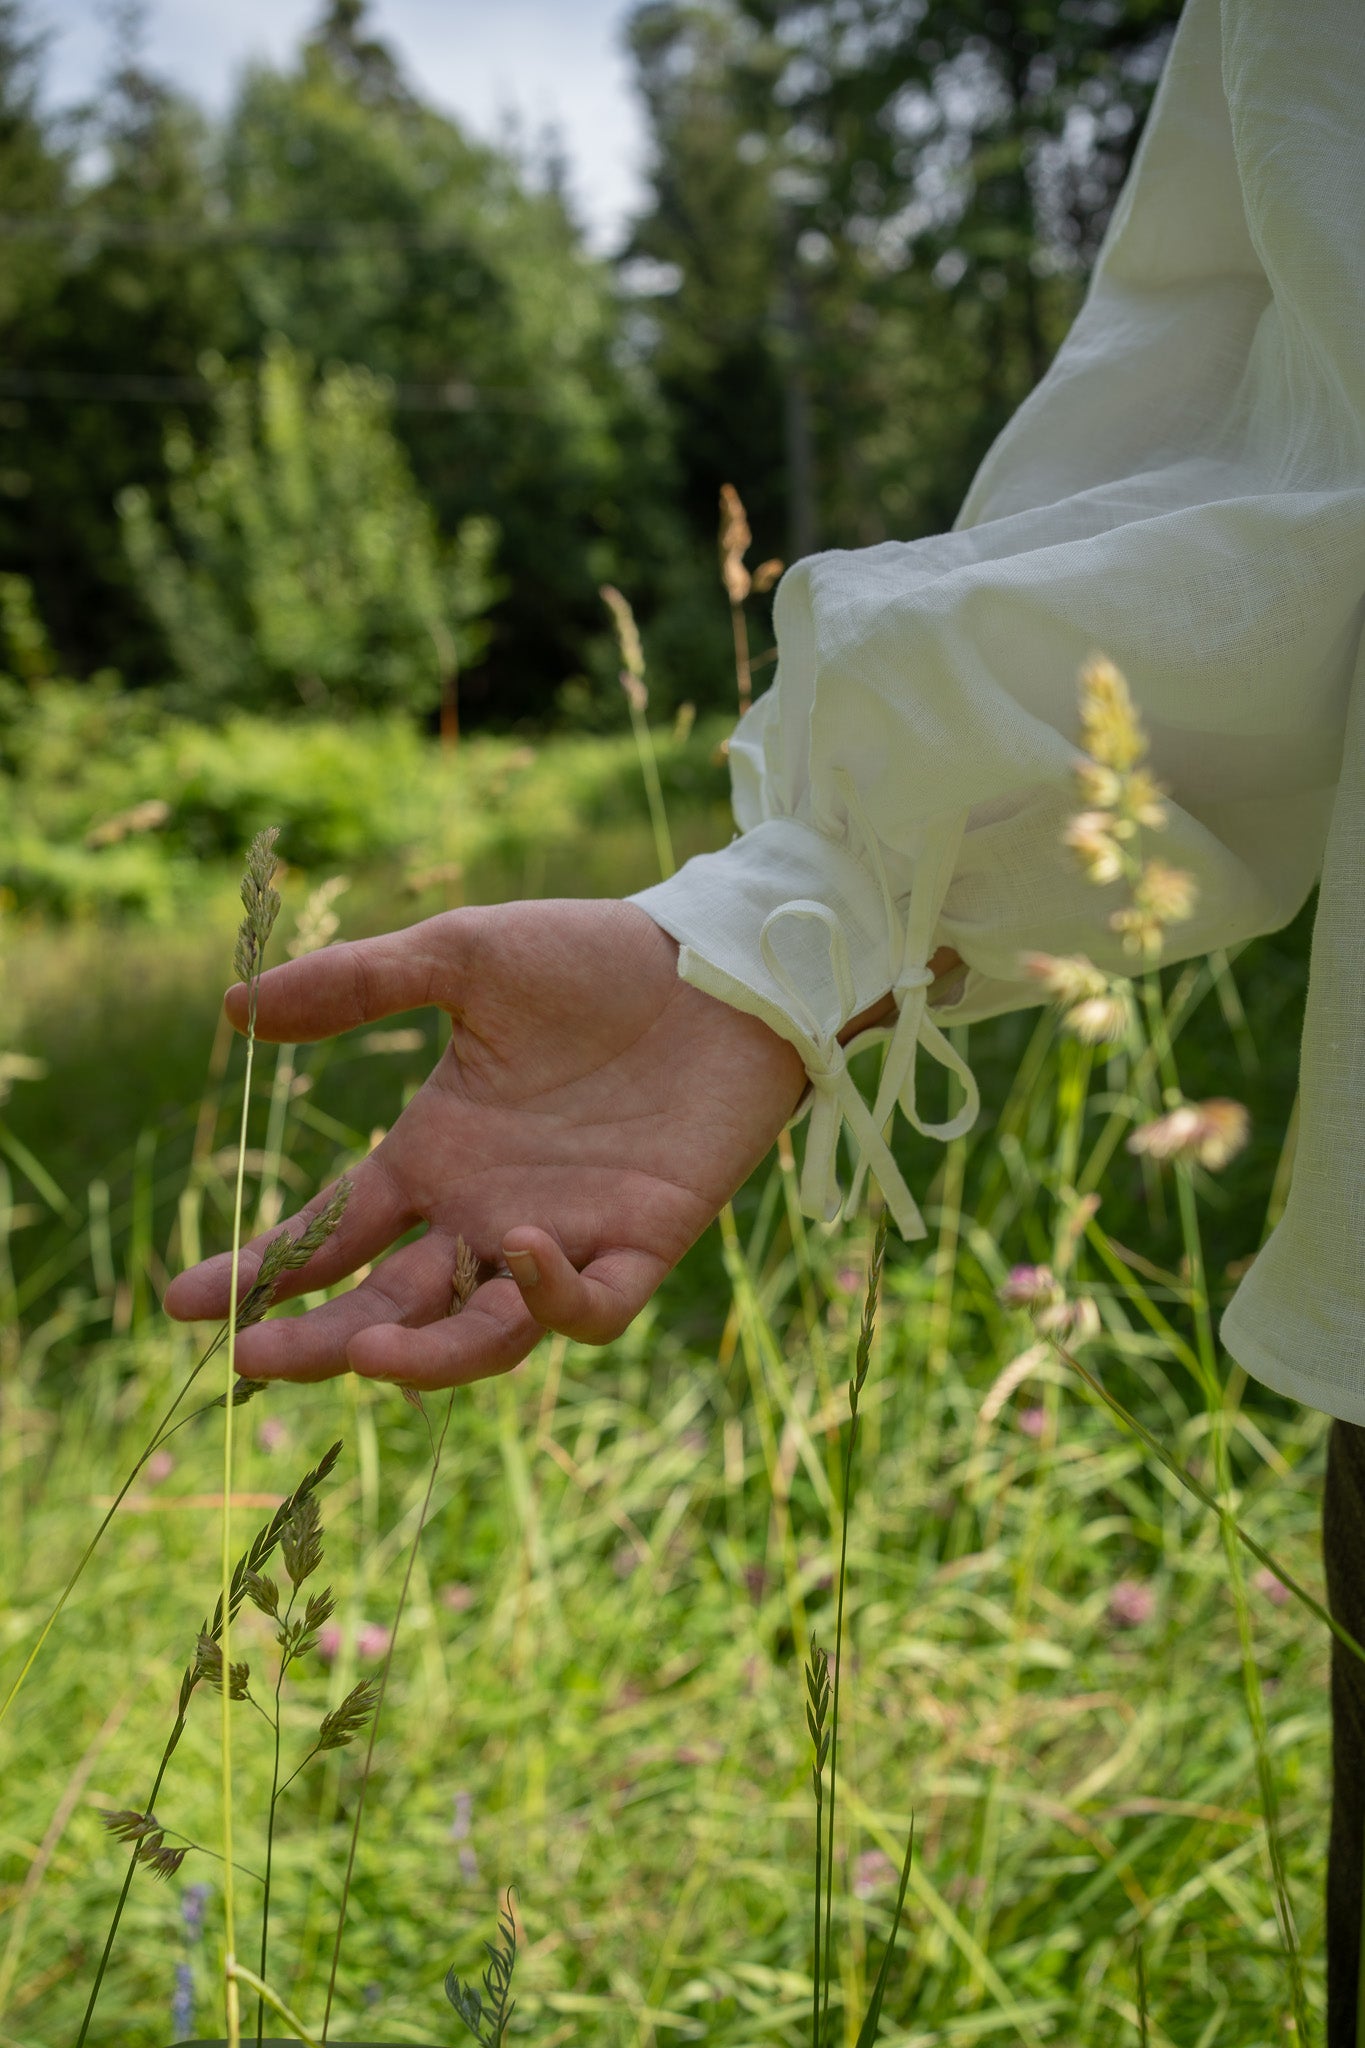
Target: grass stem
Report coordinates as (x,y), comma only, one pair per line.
(375,1716)
(234,2033)
(270,1821)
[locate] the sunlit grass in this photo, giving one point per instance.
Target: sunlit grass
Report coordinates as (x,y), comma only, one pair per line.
(603,1653)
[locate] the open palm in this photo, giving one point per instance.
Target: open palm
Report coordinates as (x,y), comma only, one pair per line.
(588,1119)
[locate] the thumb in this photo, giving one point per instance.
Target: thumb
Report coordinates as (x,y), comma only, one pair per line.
(593,1306)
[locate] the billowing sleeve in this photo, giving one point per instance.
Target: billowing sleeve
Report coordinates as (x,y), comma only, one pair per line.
(1184,492)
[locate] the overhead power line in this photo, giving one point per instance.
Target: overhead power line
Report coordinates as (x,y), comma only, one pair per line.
(377,235)
(137,388)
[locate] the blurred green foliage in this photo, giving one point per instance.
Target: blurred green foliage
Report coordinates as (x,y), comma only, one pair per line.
(111,807)
(865,230)
(304,566)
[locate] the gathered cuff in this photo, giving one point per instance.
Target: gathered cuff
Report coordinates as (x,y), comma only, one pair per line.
(793,927)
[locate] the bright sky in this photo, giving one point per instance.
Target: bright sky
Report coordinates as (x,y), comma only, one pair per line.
(545,60)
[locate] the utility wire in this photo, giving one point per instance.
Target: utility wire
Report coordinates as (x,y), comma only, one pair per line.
(196,234)
(136,388)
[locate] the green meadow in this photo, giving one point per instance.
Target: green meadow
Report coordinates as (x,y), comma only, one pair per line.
(597,1693)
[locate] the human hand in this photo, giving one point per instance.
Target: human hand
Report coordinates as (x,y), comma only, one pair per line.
(589,1118)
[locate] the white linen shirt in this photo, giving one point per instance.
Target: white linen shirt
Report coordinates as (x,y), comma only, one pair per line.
(1185,492)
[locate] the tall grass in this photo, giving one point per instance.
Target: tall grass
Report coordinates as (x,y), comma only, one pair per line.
(1046,1643)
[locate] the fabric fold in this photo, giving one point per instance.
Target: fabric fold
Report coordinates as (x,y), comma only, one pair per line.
(809,964)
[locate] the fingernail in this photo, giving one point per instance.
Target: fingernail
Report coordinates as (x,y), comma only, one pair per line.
(523,1268)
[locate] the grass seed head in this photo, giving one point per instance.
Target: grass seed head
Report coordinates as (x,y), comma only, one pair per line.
(208,1663)
(1168,894)
(863,1355)
(263,1594)
(285,1254)
(301,1540)
(465,1278)
(163,1862)
(1110,727)
(629,645)
(1090,835)
(242,1390)
(319,1611)
(735,540)
(261,902)
(128,1825)
(317,923)
(347,1721)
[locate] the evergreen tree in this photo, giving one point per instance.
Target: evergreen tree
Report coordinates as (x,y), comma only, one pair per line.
(879,215)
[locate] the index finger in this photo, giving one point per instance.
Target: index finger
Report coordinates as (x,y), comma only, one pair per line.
(361,981)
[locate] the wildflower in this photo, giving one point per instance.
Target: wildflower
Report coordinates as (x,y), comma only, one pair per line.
(459,1832)
(372,1640)
(1100,1020)
(1209,1133)
(873,1872)
(457,1598)
(1068,978)
(182,2002)
(1032,1421)
(192,1906)
(1070,1322)
(273,1434)
(1109,722)
(1090,835)
(329,1643)
(1027,1287)
(1271,1586)
(158,1467)
(1131,1603)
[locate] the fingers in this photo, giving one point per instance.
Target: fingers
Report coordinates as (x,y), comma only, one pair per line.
(414,1286)
(357,983)
(593,1306)
(374,1216)
(491,1334)
(507,1317)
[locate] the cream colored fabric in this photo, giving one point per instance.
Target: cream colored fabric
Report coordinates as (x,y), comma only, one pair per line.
(1185,491)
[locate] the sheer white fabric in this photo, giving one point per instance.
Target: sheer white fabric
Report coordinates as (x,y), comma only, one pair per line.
(1185,491)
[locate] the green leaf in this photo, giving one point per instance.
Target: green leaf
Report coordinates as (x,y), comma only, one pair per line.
(867,2033)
